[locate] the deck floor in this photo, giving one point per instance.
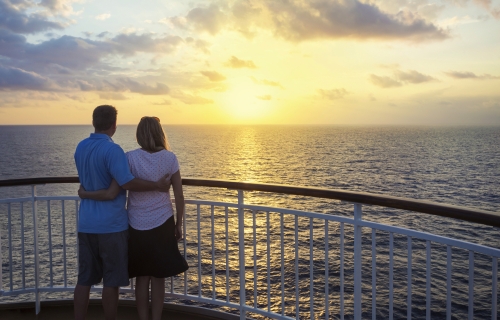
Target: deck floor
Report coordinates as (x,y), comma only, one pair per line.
(126,311)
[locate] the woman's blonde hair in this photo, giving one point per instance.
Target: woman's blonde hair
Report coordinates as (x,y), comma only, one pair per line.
(150,135)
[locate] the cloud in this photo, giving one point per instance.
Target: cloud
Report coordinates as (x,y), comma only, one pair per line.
(199,44)
(413,76)
(298,21)
(210,19)
(213,76)
(457,21)
(122,85)
(469,75)
(238,63)
(333,94)
(111,96)
(13,18)
(430,11)
(349,19)
(102,34)
(265,97)
(400,78)
(267,82)
(190,99)
(78,53)
(147,42)
(175,22)
(143,88)
(146,89)
(18,79)
(165,102)
(487,4)
(103,16)
(60,7)
(384,82)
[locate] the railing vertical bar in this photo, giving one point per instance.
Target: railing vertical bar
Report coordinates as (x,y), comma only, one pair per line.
(297,299)
(242,266)
(311,268)
(428,281)
(342,271)
(494,294)
(49,226)
(9,219)
(448,282)
(199,249)
(227,252)
(268,232)
(327,269)
(254,259)
(471,284)
(213,250)
(374,274)
(172,284)
(77,212)
(358,261)
(1,263)
(282,265)
(391,275)
(184,233)
(63,209)
(22,246)
(34,211)
(409,276)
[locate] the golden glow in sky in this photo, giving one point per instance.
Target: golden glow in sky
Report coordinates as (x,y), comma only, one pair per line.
(252,61)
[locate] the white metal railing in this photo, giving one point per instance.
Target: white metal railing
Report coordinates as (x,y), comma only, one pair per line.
(255,259)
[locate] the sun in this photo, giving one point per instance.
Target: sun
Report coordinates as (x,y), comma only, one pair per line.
(245,103)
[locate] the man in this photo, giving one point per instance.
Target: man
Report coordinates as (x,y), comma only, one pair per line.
(103,225)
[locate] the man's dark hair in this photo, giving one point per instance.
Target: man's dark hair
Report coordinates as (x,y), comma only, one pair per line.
(104,117)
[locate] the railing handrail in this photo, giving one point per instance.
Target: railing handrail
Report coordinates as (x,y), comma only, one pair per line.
(428,207)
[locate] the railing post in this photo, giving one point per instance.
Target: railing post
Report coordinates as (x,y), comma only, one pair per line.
(1,264)
(35,249)
(241,240)
(357,261)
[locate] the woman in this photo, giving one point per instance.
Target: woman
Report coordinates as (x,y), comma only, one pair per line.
(153,233)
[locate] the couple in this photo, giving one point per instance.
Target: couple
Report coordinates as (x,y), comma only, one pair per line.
(117,243)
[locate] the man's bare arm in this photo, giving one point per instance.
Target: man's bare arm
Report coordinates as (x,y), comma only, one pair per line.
(102,195)
(137,184)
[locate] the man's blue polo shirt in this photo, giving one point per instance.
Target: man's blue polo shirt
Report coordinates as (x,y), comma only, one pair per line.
(99,160)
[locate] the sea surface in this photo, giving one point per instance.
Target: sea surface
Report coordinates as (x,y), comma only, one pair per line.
(451,165)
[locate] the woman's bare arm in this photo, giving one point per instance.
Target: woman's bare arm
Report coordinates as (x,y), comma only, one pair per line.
(179,203)
(102,195)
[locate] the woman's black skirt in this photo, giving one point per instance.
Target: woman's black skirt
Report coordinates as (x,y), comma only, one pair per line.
(155,252)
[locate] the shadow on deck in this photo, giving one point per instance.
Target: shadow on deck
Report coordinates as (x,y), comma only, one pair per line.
(63,309)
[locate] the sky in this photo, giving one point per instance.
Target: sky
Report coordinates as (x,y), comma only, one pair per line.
(346,62)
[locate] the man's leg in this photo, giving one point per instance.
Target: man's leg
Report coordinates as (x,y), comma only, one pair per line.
(157,296)
(113,252)
(110,302)
(89,272)
(142,296)
(81,301)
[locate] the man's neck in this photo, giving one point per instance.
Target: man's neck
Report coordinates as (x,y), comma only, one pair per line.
(106,132)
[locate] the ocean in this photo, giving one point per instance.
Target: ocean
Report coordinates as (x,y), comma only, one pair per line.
(451,165)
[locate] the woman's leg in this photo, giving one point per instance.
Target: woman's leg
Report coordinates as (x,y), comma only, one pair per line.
(157,296)
(142,296)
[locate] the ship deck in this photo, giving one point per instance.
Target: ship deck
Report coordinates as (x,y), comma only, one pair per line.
(63,309)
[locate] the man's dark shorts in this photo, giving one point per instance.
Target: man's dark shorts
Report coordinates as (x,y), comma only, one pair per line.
(103,256)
